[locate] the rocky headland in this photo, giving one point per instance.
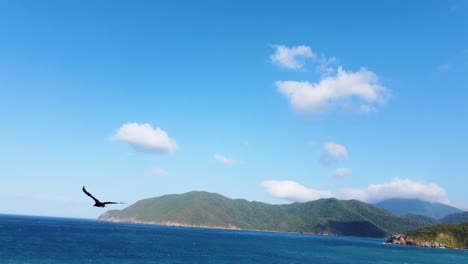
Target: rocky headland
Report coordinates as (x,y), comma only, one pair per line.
(440,236)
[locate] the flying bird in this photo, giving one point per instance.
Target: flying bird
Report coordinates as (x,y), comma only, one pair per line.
(98,203)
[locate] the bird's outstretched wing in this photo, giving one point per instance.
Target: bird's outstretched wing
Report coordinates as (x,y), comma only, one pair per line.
(90,195)
(112,203)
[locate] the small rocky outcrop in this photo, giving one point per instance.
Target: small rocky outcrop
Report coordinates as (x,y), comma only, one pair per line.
(399,239)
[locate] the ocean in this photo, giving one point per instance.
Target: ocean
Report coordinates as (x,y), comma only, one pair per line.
(30,239)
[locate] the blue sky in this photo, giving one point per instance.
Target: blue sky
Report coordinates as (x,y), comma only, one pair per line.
(276,102)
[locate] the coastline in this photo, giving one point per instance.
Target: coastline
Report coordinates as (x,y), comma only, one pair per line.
(230,227)
(167,223)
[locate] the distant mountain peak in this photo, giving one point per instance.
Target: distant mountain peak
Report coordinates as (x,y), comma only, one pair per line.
(401,206)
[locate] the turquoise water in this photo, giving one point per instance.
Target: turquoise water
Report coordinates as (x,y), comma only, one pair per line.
(25,239)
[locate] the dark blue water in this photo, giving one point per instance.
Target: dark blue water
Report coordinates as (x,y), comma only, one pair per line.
(25,239)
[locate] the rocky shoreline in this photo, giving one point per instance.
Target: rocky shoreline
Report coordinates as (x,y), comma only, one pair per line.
(406,240)
(400,239)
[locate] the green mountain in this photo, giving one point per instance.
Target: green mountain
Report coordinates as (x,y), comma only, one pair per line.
(458,218)
(417,206)
(324,216)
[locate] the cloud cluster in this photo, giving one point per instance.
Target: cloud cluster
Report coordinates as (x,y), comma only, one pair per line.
(396,188)
(332,154)
(224,160)
(336,88)
(143,136)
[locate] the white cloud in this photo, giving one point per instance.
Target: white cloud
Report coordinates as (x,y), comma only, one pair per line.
(224,160)
(342,172)
(293,191)
(158,172)
(143,136)
(292,58)
(333,152)
(346,88)
(396,188)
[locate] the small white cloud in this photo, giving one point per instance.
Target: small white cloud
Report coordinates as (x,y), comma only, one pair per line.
(444,67)
(396,188)
(143,136)
(366,108)
(346,88)
(293,191)
(453,9)
(326,66)
(158,172)
(333,152)
(224,160)
(342,172)
(292,58)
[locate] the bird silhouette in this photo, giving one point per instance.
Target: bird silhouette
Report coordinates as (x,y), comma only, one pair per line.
(98,203)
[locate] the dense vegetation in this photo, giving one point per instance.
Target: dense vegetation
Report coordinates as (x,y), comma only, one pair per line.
(324,216)
(453,236)
(458,218)
(416,206)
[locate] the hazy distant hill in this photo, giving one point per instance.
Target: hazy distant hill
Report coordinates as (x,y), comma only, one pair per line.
(458,218)
(416,206)
(421,219)
(324,216)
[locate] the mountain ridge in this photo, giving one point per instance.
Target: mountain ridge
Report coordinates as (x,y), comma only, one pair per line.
(323,216)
